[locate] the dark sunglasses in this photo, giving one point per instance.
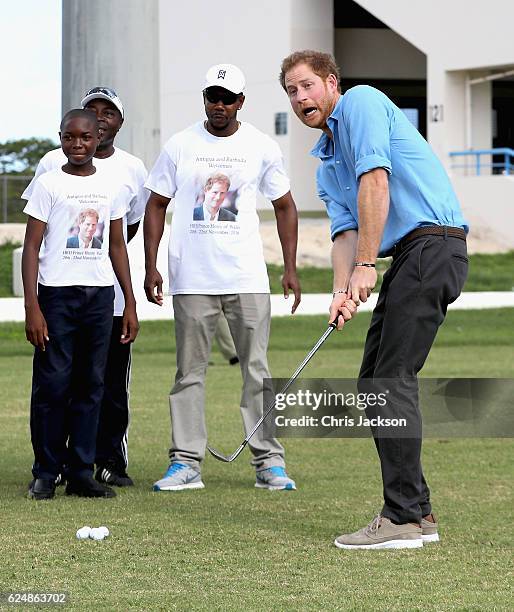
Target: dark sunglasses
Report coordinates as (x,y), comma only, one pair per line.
(103,90)
(226,97)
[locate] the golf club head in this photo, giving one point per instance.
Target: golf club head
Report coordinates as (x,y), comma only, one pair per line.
(219,456)
(224,458)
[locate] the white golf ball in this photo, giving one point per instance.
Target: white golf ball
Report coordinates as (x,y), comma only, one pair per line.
(83,533)
(105,531)
(96,534)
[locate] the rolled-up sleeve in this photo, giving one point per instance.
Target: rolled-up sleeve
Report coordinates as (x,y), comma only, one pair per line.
(341,218)
(367,120)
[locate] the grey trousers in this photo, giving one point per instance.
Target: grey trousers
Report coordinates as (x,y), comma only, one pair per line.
(224,338)
(248,316)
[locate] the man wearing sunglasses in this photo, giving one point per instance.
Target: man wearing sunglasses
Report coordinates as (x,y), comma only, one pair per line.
(219,267)
(111,451)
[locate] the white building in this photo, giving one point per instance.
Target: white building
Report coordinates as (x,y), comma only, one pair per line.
(450,65)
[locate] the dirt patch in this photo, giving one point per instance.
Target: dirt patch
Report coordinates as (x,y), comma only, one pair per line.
(314,242)
(12,232)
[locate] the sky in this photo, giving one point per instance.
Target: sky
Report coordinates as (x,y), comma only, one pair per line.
(30,69)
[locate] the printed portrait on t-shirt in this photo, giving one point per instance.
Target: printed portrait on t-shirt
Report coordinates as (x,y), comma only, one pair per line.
(216,202)
(87,232)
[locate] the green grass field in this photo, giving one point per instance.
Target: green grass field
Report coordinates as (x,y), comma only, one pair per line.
(233,547)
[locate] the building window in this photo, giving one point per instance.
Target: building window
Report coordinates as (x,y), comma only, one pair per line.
(280,124)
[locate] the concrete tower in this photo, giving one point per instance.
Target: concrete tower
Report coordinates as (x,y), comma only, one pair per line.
(116,44)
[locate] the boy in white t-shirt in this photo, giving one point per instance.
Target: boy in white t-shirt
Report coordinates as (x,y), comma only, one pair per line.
(214,170)
(69,304)
(112,439)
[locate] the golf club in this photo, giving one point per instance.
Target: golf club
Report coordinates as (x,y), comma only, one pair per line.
(238,451)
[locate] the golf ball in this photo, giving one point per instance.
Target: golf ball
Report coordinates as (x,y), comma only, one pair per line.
(96,534)
(83,533)
(104,530)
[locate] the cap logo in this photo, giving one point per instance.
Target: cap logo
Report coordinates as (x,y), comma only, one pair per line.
(222,74)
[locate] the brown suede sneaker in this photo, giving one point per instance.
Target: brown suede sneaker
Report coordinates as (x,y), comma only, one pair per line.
(429,531)
(382,533)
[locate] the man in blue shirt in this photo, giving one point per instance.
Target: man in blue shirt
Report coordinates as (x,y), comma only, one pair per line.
(386,193)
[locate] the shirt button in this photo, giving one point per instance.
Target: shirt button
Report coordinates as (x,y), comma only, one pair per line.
(347,189)
(338,162)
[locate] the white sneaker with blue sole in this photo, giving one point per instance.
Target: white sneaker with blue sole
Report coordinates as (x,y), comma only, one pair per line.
(274,479)
(178,477)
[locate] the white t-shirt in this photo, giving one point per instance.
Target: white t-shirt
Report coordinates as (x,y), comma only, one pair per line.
(77,211)
(222,256)
(123,168)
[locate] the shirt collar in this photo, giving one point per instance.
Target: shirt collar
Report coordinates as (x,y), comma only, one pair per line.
(207,214)
(322,146)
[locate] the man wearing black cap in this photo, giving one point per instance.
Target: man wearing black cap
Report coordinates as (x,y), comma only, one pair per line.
(111,451)
(219,267)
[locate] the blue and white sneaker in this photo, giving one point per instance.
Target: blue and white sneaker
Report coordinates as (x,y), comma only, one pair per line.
(179,476)
(274,479)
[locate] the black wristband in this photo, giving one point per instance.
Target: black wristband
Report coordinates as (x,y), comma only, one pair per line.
(364,264)
(339,291)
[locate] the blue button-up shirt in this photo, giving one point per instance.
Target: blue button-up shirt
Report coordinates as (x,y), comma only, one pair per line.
(370,132)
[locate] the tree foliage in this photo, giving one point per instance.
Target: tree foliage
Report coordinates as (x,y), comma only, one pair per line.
(22,156)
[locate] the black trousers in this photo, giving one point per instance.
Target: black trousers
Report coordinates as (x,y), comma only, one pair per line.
(68,379)
(426,276)
(111,441)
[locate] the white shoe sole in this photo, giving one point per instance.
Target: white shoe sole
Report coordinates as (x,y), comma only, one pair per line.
(191,485)
(418,543)
(258,485)
(433,537)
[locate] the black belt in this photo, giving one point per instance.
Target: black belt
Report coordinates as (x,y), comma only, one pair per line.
(427,230)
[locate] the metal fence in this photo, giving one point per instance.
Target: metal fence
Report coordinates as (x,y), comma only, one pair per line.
(12,186)
(484,161)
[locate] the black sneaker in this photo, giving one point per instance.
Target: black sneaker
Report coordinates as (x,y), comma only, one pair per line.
(113,475)
(59,481)
(86,486)
(41,488)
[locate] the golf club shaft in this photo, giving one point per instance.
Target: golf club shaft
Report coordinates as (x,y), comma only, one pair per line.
(325,335)
(236,453)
